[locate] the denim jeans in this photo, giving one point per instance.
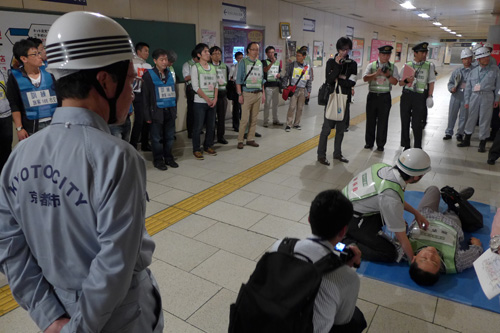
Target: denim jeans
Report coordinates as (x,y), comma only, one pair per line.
(165,130)
(203,114)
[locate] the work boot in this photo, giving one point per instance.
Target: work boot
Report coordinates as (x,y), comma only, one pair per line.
(466,141)
(482,146)
(466,193)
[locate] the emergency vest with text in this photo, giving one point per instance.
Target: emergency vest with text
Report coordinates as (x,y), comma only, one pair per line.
(207,79)
(164,91)
(221,76)
(421,76)
(254,79)
(381,84)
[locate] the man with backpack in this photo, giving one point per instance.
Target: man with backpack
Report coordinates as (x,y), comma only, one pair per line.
(294,272)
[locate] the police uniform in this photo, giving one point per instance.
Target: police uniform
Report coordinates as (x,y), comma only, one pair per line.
(379,102)
(457,100)
(480,95)
(378,199)
(75,182)
(413,107)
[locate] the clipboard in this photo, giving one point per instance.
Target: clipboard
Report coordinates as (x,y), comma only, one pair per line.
(407,72)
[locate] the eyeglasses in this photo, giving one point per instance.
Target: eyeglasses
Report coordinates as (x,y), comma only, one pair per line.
(253,49)
(345,50)
(38,54)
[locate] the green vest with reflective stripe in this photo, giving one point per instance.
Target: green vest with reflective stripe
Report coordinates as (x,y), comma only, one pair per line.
(441,236)
(171,68)
(273,71)
(254,80)
(221,75)
(368,184)
(207,80)
(381,83)
(421,78)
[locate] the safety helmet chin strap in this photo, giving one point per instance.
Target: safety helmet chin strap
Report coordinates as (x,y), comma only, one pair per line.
(119,70)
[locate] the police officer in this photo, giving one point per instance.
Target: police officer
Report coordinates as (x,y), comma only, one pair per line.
(377,195)
(480,98)
(73,243)
(456,85)
(30,91)
(381,75)
(413,100)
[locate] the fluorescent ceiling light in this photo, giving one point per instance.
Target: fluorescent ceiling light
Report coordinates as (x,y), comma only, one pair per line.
(447,30)
(453,32)
(459,35)
(407,5)
(423,15)
(437,23)
(444,28)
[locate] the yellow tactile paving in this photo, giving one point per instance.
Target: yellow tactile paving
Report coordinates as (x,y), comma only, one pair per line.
(191,205)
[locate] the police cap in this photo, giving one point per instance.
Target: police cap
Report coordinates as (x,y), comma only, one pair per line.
(422,47)
(386,49)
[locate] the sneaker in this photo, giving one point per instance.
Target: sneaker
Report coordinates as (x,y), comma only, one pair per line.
(198,155)
(210,151)
(288,129)
(297,127)
(277,123)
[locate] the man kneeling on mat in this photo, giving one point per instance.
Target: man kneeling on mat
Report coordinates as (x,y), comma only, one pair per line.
(437,249)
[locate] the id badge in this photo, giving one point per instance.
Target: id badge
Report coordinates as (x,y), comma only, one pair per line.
(477,87)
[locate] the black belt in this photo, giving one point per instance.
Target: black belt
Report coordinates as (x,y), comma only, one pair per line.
(379,94)
(253,92)
(411,91)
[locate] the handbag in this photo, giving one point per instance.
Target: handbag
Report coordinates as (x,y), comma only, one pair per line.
(324,93)
(231,90)
(335,108)
(290,90)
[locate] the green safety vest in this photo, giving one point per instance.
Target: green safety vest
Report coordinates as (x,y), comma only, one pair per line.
(422,76)
(273,71)
(221,75)
(441,236)
(381,84)
(368,184)
(254,80)
(207,80)
(172,70)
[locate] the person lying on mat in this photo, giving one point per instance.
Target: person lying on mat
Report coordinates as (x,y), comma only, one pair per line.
(438,248)
(377,195)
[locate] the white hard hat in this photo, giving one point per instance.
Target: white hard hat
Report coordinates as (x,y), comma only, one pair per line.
(488,45)
(85,40)
(482,52)
(414,162)
(465,53)
(476,46)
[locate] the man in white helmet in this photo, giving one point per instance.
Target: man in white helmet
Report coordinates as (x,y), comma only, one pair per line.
(377,195)
(73,243)
(456,85)
(480,98)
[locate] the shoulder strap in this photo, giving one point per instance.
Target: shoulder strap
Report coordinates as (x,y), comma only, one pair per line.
(329,262)
(287,245)
(250,71)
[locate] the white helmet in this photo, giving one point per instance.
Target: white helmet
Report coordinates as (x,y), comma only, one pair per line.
(488,45)
(476,46)
(465,53)
(414,162)
(482,52)
(85,40)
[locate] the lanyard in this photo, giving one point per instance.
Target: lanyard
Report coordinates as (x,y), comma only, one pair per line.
(482,77)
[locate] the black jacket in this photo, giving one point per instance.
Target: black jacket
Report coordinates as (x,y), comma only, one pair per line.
(334,70)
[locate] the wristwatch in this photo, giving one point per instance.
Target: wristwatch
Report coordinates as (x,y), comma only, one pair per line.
(19,128)
(495,243)
(239,94)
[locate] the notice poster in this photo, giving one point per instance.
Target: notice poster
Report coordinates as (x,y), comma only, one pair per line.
(208,37)
(236,39)
(317,53)
(358,46)
(375,45)
(399,49)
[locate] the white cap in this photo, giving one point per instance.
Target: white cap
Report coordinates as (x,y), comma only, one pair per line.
(465,53)
(482,52)
(85,40)
(414,162)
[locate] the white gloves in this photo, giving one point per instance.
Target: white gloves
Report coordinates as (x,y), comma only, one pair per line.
(429,102)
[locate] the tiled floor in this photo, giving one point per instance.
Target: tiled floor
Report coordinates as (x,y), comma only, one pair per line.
(201,261)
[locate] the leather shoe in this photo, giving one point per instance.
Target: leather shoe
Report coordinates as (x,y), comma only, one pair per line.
(240,145)
(252,143)
(447,137)
(368,147)
(146,148)
(341,159)
(380,148)
(222,141)
(257,135)
(466,193)
(172,164)
(160,165)
(323,161)
(491,161)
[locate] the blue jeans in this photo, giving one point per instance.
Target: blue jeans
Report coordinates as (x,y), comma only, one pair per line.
(203,114)
(165,130)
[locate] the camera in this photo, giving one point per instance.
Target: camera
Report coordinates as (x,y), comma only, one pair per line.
(345,61)
(345,253)
(276,55)
(385,68)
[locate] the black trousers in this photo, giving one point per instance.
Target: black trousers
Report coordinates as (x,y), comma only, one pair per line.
(378,107)
(494,152)
(5,140)
(140,130)
(190,113)
(356,325)
(413,110)
(373,247)
(220,113)
(236,114)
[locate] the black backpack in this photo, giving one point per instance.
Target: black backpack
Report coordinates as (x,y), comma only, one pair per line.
(470,217)
(280,294)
